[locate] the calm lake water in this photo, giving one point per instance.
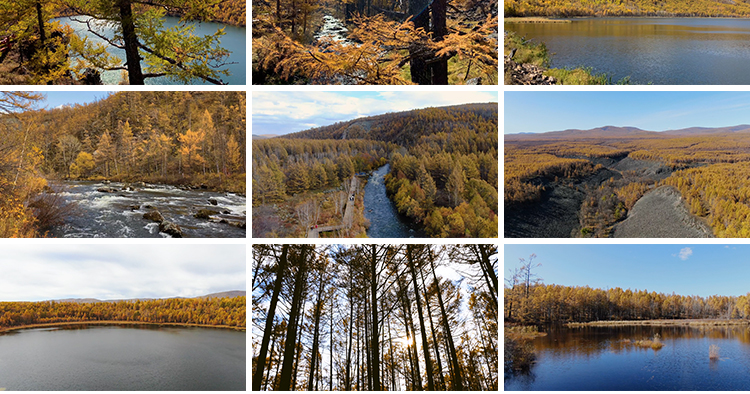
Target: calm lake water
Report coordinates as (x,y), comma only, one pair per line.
(233,41)
(118,358)
(385,221)
(675,51)
(602,359)
(120,214)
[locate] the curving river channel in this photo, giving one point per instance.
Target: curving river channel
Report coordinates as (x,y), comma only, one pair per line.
(119,213)
(385,221)
(123,358)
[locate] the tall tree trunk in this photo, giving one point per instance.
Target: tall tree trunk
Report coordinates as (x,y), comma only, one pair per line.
(456,380)
(417,383)
(316,331)
(375,347)
(439,29)
(392,359)
(270,359)
(40,22)
(425,345)
(331,343)
(280,270)
(434,337)
(420,72)
(350,339)
(291,334)
(130,40)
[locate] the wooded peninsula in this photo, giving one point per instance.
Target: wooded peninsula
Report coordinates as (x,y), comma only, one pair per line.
(442,177)
(375,317)
(177,138)
(213,311)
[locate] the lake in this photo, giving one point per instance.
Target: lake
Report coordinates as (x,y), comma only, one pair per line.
(674,51)
(234,41)
(123,358)
(600,358)
(385,222)
(119,214)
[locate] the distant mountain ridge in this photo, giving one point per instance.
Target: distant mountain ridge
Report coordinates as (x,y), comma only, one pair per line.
(230,293)
(405,127)
(627,132)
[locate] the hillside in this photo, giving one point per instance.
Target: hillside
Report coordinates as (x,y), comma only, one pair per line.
(223,294)
(589,180)
(690,8)
(442,177)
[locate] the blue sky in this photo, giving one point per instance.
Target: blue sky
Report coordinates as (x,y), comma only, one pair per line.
(288,112)
(56,99)
(702,270)
(654,111)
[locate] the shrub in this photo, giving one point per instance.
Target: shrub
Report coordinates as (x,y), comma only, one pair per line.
(713,352)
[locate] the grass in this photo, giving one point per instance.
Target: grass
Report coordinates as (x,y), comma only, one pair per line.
(538,55)
(713,352)
(113,322)
(519,350)
(534,19)
(655,343)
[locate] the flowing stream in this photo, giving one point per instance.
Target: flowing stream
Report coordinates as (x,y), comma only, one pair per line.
(119,213)
(385,221)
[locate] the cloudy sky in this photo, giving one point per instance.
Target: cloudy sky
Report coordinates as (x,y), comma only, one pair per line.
(49,271)
(702,270)
(288,112)
(650,110)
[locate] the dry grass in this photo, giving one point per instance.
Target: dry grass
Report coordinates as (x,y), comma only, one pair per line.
(535,19)
(663,323)
(713,352)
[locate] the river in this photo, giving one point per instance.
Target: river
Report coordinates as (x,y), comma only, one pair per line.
(602,358)
(673,51)
(234,41)
(120,214)
(385,221)
(123,358)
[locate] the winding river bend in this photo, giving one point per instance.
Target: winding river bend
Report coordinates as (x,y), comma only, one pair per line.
(123,358)
(233,40)
(385,221)
(120,214)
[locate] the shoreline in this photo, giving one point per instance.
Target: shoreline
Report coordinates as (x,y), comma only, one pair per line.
(663,323)
(113,322)
(569,19)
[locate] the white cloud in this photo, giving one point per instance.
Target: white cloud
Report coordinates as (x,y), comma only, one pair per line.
(119,271)
(685,253)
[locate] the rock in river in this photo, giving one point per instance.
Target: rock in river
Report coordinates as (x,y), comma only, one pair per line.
(170,228)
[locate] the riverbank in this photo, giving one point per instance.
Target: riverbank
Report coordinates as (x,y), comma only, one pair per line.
(527,63)
(664,323)
(113,322)
(536,19)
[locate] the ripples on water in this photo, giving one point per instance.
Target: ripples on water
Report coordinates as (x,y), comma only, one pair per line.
(603,359)
(384,219)
(120,214)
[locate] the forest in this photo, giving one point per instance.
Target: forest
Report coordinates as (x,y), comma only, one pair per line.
(375,42)
(177,138)
(443,172)
(218,311)
(666,8)
(36,48)
(530,302)
(375,317)
(709,168)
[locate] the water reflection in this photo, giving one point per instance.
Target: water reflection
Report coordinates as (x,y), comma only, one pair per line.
(606,358)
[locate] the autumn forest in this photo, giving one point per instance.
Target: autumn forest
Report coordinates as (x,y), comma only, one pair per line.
(608,170)
(177,138)
(442,175)
(375,317)
(375,42)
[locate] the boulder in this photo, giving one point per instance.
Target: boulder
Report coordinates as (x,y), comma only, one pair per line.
(154,216)
(170,228)
(107,189)
(140,184)
(204,213)
(213,201)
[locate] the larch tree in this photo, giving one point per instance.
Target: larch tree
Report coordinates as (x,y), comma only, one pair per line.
(174,52)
